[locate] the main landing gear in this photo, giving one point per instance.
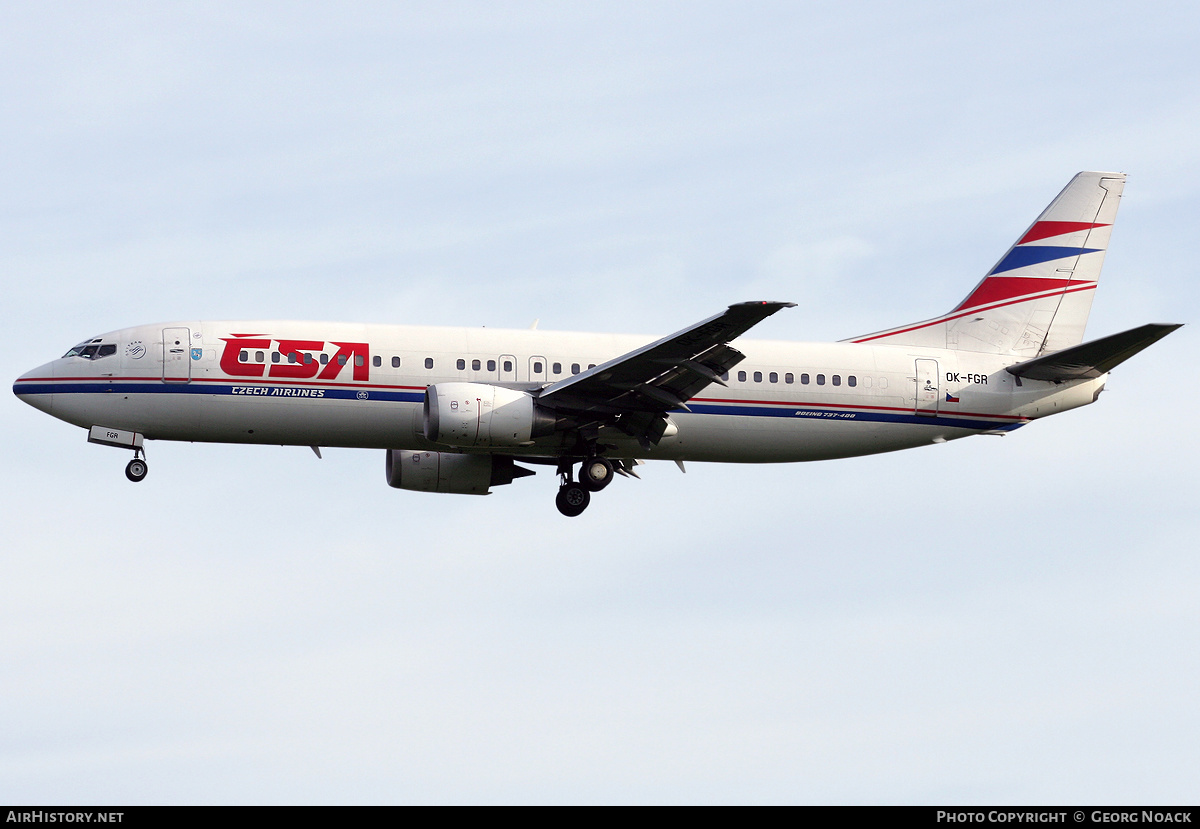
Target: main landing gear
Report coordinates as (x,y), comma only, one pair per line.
(595,473)
(572,499)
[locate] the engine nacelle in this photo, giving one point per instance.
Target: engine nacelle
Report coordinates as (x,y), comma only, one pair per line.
(478,414)
(450,471)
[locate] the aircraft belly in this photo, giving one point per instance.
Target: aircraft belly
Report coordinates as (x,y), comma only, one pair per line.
(224,418)
(745,439)
(307,422)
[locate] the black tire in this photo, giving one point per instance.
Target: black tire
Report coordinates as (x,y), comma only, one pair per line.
(572,499)
(136,470)
(596,473)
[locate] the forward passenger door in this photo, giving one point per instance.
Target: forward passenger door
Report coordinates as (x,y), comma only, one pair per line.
(177,362)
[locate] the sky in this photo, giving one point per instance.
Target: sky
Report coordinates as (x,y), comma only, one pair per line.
(994,620)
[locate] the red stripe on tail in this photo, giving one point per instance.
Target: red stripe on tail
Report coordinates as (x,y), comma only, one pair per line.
(1045,230)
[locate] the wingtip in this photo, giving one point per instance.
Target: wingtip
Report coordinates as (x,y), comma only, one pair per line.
(758,303)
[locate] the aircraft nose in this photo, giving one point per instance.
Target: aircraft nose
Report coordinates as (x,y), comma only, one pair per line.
(37,387)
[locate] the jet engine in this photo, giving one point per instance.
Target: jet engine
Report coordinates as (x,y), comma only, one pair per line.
(450,471)
(478,414)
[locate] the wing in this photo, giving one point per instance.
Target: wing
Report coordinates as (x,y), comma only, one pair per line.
(635,391)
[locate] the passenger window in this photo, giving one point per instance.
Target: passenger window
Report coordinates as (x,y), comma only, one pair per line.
(274,356)
(725,376)
(475,364)
(851,381)
(258,356)
(461,365)
(244,357)
(556,368)
(491,365)
(574,368)
(395,362)
(291,356)
(591,365)
(789,378)
(377,361)
(741,377)
(804,379)
(341,358)
(428,362)
(820,379)
(773,377)
(508,365)
(758,377)
(837,379)
(358,360)
(537,368)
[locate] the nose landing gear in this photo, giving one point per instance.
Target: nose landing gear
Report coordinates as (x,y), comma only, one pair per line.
(136,469)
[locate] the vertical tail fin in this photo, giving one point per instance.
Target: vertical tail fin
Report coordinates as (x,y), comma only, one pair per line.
(1037,297)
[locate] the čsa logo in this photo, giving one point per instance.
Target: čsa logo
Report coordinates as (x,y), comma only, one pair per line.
(356,354)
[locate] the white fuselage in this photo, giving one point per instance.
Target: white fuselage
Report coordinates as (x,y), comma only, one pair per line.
(337,384)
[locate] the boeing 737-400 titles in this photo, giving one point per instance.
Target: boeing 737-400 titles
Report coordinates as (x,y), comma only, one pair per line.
(462,410)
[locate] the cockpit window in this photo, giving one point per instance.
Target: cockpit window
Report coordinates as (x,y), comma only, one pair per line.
(92,349)
(77,350)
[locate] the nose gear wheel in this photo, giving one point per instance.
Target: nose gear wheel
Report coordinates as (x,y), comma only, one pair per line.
(136,470)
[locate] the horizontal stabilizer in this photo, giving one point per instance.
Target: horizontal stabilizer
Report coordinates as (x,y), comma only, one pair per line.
(1092,359)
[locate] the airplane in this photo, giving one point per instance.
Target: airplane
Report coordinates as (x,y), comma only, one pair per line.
(462,410)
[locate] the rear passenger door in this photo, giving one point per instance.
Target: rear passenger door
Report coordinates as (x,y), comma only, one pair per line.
(928,391)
